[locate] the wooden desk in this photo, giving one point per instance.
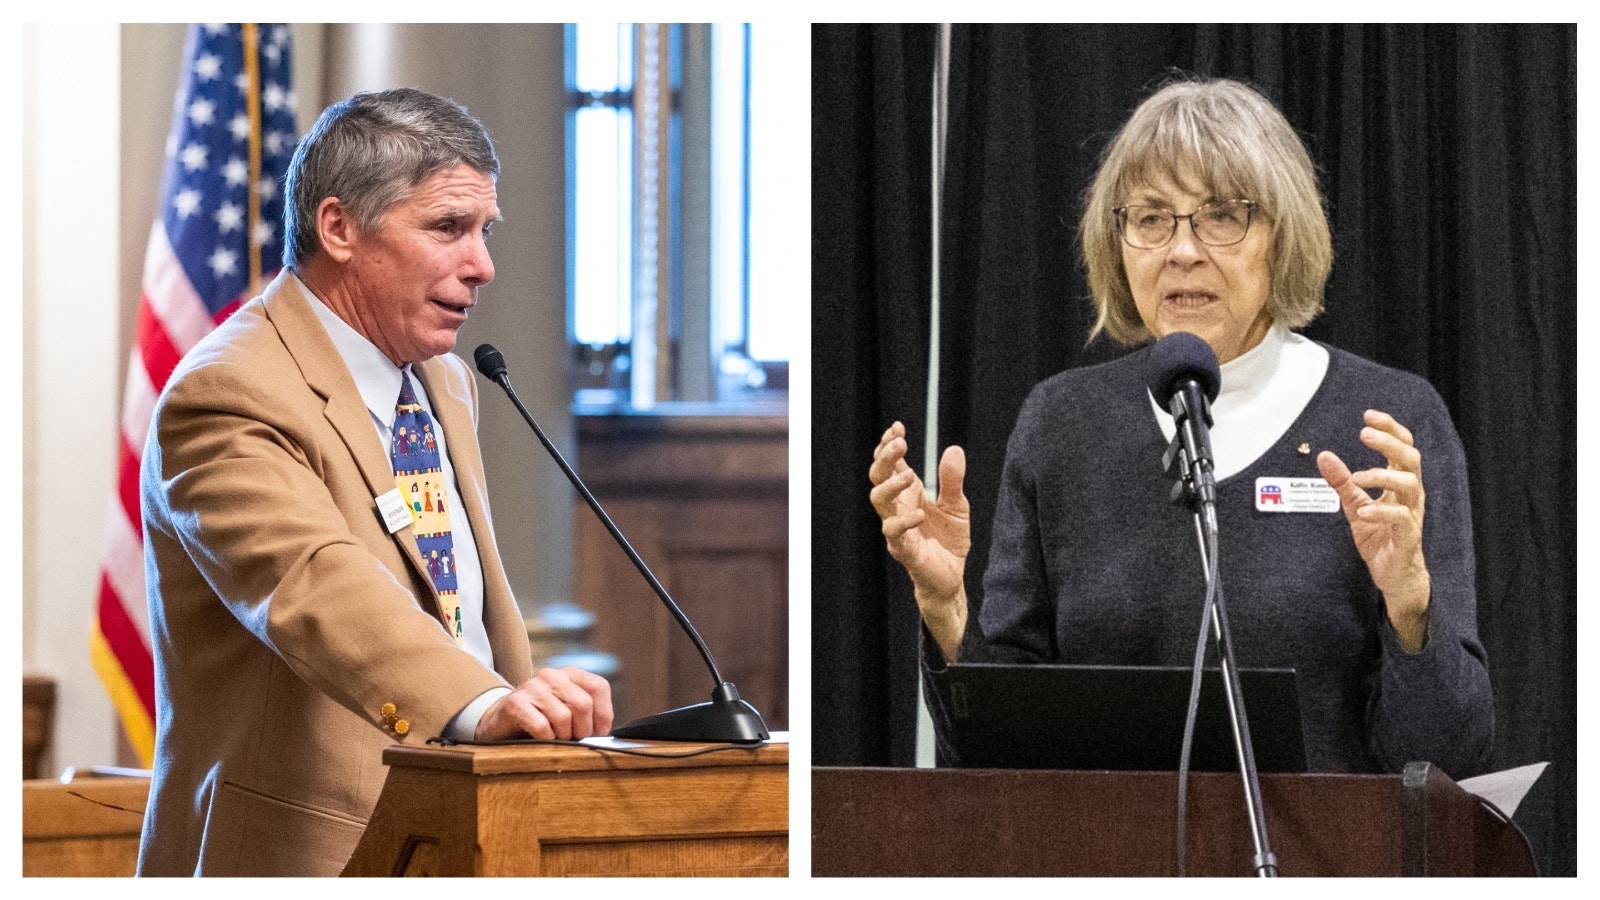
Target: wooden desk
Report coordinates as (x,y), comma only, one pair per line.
(73,829)
(1039,823)
(532,809)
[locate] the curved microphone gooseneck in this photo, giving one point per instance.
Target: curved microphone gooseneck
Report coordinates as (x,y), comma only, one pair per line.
(725,717)
(1183,376)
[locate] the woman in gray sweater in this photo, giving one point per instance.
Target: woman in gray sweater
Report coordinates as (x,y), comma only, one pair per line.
(1341,560)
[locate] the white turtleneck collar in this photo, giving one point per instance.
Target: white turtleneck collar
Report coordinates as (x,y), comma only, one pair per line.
(1263,392)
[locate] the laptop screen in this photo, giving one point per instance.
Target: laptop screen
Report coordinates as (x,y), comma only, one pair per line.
(1127,718)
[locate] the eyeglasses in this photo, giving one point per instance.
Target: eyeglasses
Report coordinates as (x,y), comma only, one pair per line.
(1216,224)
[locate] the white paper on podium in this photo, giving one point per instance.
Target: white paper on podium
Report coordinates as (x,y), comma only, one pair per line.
(1505,789)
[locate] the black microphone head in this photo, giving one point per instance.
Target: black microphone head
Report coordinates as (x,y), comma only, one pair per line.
(491,362)
(1177,356)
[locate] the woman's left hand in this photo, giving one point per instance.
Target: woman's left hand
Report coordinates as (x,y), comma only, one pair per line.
(1388,529)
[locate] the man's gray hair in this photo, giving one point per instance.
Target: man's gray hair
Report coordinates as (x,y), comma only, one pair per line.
(371,151)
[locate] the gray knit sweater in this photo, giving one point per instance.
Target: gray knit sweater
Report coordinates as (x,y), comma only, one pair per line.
(1090,563)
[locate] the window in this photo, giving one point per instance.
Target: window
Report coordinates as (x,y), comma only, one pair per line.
(665,263)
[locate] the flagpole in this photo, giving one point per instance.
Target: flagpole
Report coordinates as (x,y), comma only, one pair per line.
(252,69)
(930,442)
(941,109)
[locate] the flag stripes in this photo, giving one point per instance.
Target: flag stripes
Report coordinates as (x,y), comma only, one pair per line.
(216,238)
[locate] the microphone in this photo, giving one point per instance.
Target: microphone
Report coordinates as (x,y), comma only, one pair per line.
(1183,376)
(1180,362)
(726,717)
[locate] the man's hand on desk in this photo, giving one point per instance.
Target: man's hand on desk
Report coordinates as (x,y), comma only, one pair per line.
(565,704)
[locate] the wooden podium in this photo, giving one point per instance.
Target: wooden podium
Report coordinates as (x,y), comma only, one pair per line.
(971,822)
(86,828)
(529,809)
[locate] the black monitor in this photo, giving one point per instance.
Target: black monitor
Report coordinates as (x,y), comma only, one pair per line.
(1127,718)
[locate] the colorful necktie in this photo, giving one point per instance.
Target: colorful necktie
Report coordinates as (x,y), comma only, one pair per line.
(420,478)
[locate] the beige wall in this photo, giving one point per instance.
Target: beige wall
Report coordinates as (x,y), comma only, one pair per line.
(70,357)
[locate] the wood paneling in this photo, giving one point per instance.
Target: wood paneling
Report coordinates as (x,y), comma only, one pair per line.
(703,500)
(1041,823)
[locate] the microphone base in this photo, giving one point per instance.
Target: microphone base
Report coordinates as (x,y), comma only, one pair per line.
(724,719)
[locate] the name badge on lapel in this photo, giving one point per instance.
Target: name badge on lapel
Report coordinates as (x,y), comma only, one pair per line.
(1295,495)
(396,514)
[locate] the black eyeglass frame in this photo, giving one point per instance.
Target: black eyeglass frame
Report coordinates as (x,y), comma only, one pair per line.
(1250,206)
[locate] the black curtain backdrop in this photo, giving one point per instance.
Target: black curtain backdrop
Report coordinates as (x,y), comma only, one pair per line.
(1448,158)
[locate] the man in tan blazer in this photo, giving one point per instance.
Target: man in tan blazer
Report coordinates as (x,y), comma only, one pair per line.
(296,628)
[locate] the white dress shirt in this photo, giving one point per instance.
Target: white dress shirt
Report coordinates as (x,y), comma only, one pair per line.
(378,380)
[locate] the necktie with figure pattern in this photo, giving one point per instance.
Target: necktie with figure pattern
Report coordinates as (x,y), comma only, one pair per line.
(420,478)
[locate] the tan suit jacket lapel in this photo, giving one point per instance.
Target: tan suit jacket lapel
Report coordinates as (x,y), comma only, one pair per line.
(325,373)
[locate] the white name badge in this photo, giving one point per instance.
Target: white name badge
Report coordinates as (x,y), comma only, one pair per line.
(396,514)
(1295,495)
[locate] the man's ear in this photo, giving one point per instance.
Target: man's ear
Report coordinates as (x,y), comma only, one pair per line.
(336,230)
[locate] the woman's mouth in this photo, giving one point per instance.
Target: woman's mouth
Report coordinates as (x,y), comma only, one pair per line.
(1189,299)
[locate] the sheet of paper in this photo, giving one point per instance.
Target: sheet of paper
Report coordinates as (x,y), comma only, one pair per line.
(1505,789)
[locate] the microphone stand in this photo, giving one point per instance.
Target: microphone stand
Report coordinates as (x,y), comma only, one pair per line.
(726,717)
(1196,488)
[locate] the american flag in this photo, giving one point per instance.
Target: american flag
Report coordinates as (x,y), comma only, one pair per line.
(215,242)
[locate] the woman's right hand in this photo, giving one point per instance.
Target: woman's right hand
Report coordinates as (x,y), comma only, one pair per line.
(931,538)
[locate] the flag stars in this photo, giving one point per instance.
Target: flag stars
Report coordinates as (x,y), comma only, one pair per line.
(274,97)
(279,142)
(223,262)
(202,112)
(194,157)
(207,67)
(277,97)
(186,202)
(236,172)
(230,217)
(211,182)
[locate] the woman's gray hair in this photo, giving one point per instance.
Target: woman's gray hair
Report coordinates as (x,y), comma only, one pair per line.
(371,151)
(1238,146)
